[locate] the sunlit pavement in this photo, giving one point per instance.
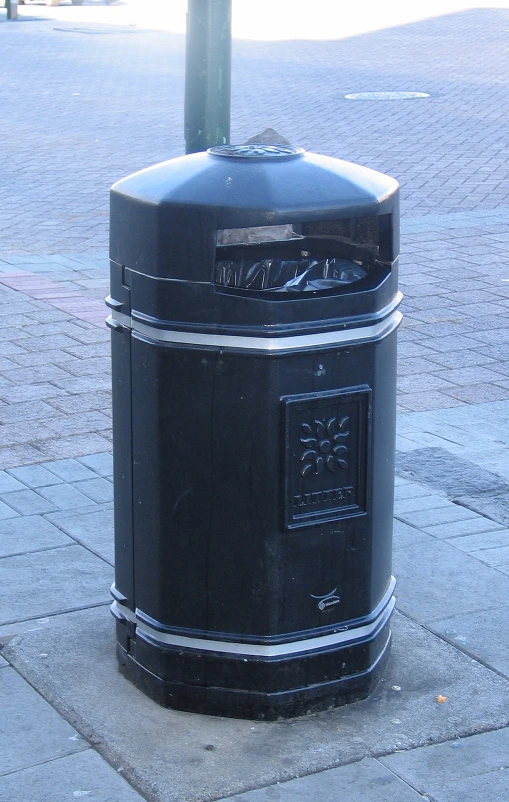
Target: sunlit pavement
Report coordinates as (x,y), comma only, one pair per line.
(265,19)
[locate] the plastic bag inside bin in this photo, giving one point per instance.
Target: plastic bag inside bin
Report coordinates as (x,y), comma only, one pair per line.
(288,275)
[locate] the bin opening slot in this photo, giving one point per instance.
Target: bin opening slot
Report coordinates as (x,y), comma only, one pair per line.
(303,257)
(247,236)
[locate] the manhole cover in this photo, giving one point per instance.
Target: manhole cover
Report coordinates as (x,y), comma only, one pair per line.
(386,95)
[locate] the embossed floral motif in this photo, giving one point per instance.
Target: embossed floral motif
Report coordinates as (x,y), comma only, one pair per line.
(324,443)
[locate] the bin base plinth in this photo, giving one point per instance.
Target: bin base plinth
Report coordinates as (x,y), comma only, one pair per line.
(263,695)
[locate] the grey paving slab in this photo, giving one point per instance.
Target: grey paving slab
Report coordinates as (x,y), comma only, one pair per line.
(400,482)
(8,484)
(411,490)
(93,529)
(31,732)
(464,434)
(484,540)
(470,526)
(436,579)
(494,506)
(169,752)
(84,775)
(29,533)
(493,459)
(69,470)
(495,556)
(28,502)
(6,511)
(48,582)
(101,463)
(7,631)
(405,535)
(430,769)
(421,503)
(489,454)
(3,662)
(448,473)
(426,439)
(446,513)
(495,413)
(358,782)
(65,497)
(493,786)
(404,444)
(99,490)
(483,635)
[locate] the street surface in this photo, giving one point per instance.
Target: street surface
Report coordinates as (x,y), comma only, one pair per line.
(92,93)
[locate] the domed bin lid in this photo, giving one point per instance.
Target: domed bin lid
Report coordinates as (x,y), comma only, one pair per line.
(165,219)
(266,224)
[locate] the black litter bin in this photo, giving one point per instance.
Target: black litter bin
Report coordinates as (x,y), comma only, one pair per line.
(254,314)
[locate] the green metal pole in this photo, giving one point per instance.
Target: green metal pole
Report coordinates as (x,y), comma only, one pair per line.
(12,9)
(208,74)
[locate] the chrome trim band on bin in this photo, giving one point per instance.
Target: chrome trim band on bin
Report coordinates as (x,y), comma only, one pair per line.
(261,649)
(265,344)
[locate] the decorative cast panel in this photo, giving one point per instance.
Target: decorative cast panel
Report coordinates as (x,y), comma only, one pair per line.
(326,455)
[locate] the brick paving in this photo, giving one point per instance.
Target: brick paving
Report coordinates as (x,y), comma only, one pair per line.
(106,105)
(117,107)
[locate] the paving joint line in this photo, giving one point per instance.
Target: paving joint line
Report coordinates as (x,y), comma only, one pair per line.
(85,731)
(76,541)
(459,647)
(399,777)
(65,611)
(37,551)
(50,759)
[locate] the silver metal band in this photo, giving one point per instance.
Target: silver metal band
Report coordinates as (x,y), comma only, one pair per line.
(377,331)
(260,649)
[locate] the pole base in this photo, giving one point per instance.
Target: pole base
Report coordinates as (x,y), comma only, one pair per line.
(253,688)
